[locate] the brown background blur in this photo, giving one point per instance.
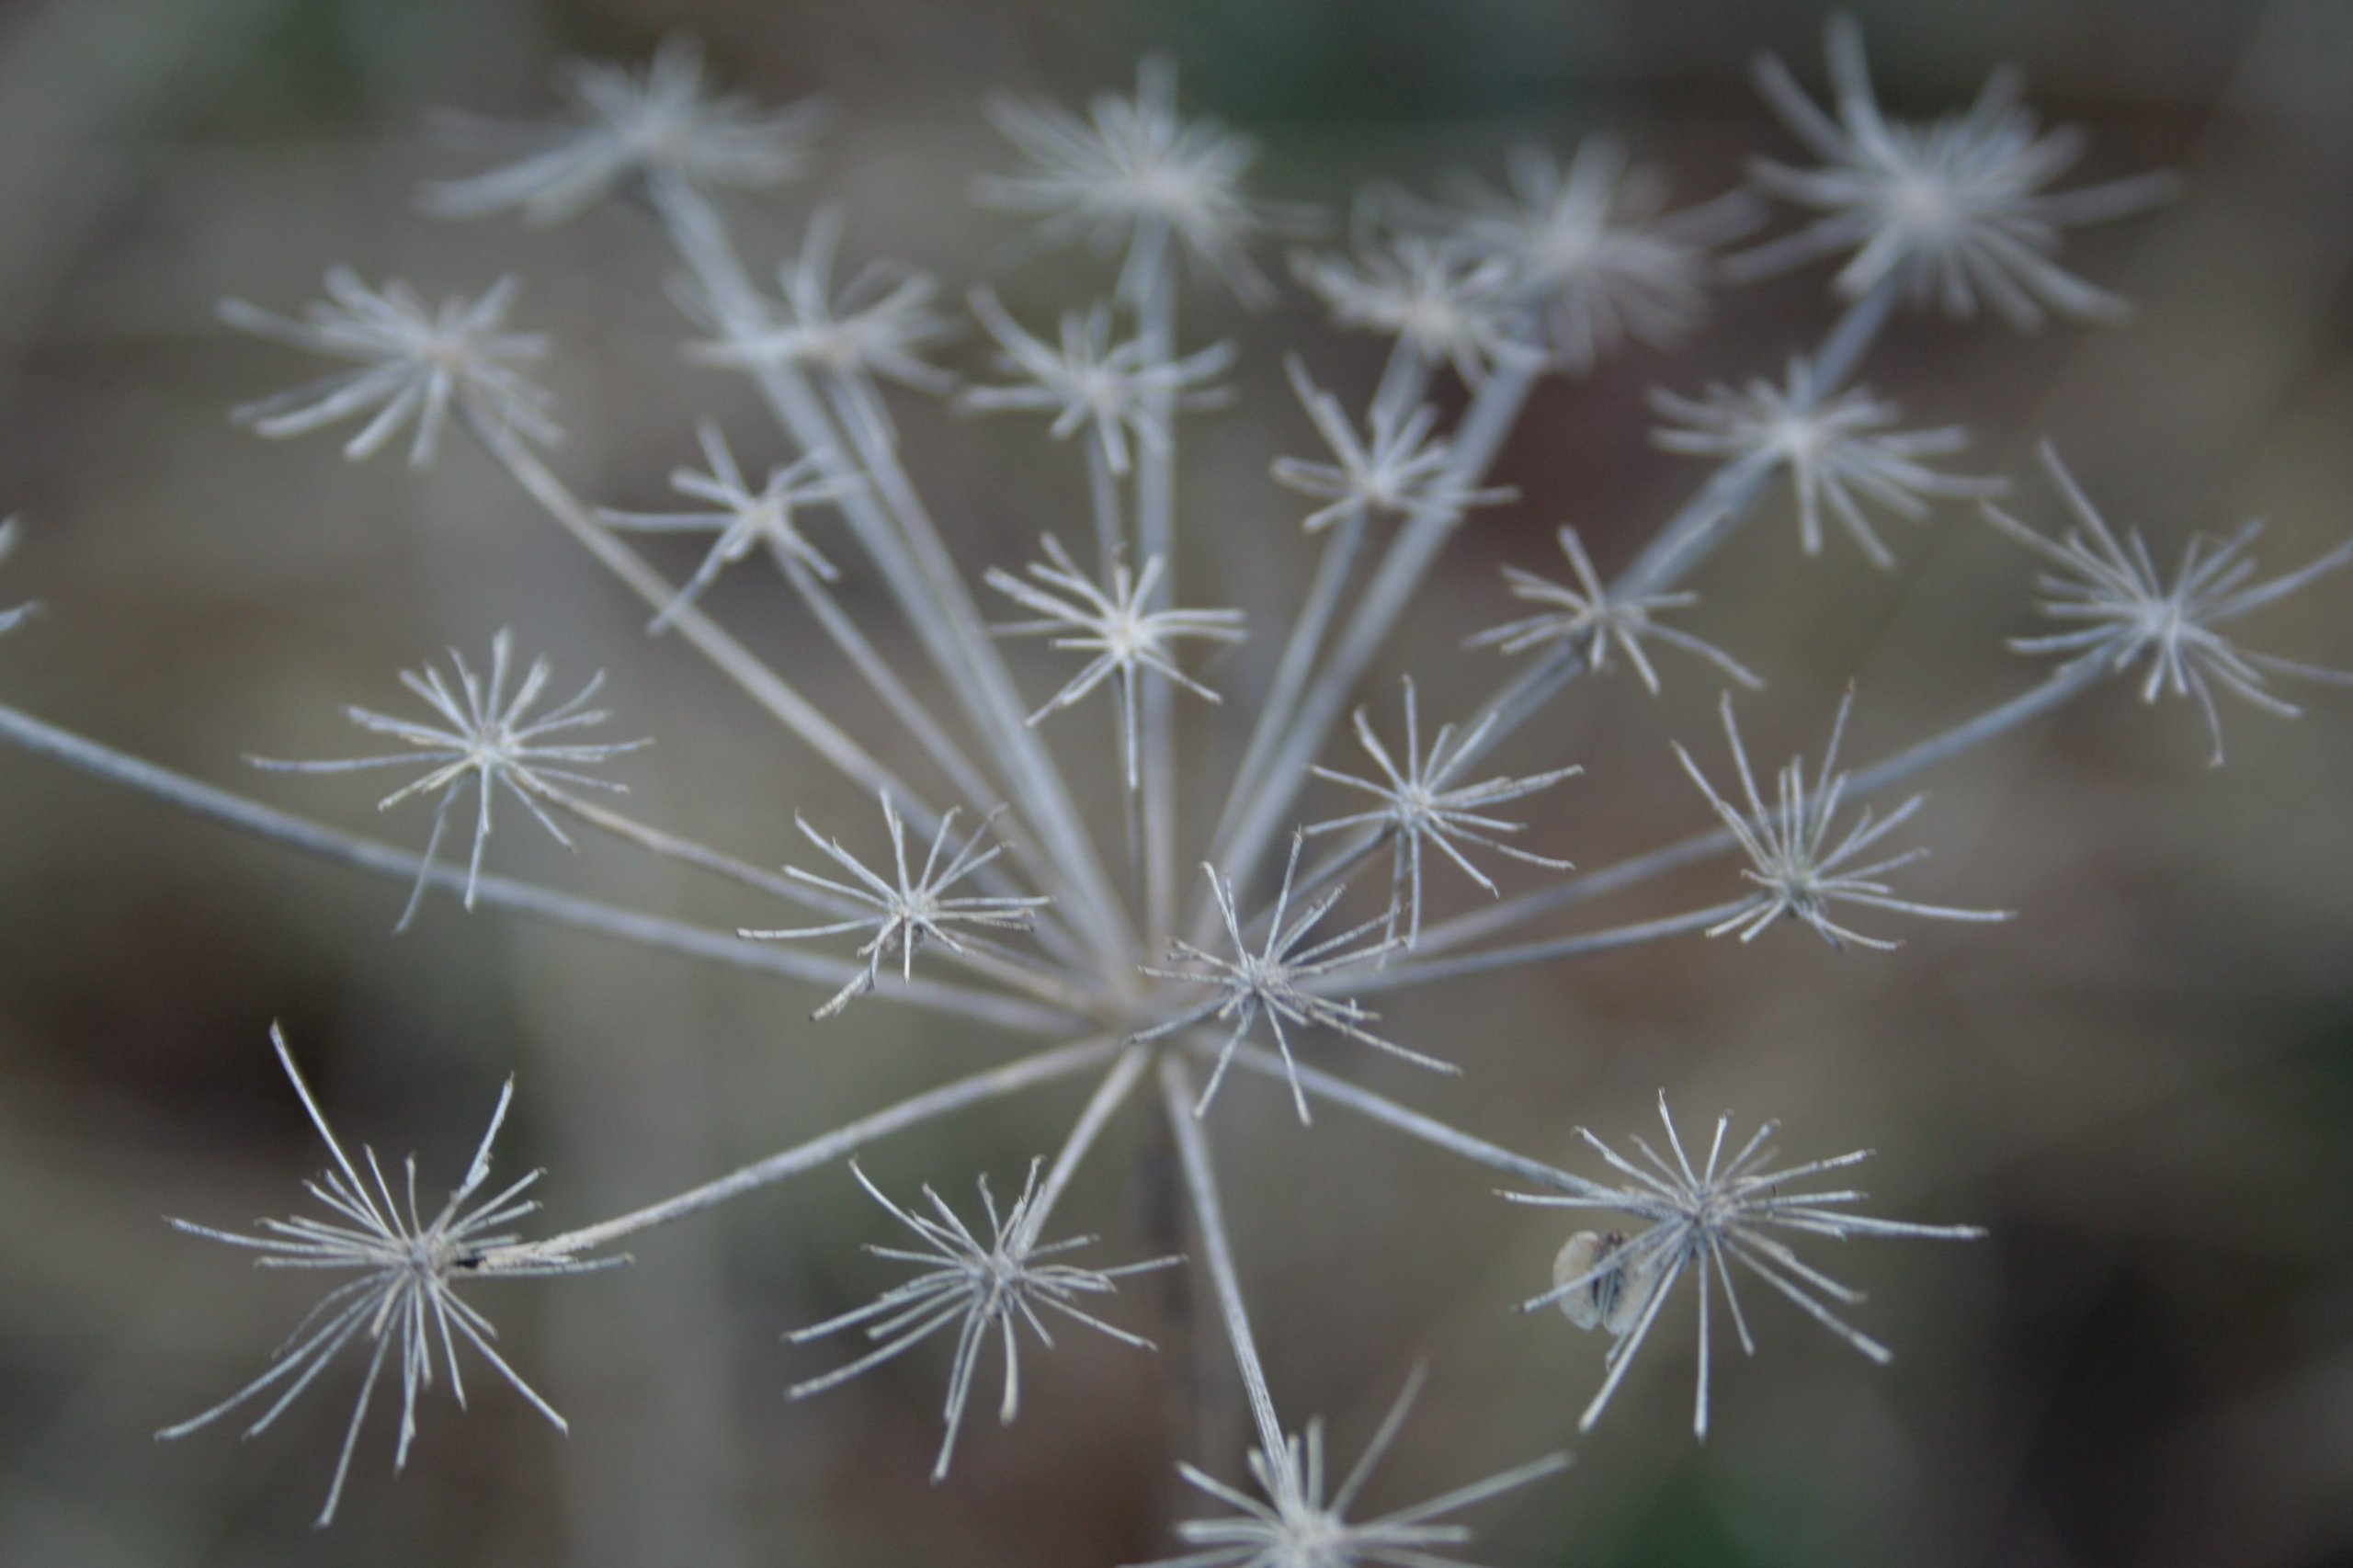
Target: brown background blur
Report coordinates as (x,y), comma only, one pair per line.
(2142,1085)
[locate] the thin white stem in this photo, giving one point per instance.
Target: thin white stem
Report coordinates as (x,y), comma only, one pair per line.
(1315,612)
(1109,1097)
(588,914)
(1103,495)
(1584,943)
(1412,1123)
(1027,1071)
(1155,539)
(1209,1219)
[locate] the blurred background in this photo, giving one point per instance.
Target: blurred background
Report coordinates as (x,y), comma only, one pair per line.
(2142,1086)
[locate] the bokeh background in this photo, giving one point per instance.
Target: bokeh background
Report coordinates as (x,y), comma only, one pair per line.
(2142,1086)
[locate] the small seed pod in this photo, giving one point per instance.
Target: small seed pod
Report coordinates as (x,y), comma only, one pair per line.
(1613,1298)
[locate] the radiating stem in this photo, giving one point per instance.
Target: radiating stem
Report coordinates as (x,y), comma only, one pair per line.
(1156,536)
(1613,940)
(1209,1220)
(589,914)
(1109,1097)
(1026,1072)
(1412,1123)
(1315,612)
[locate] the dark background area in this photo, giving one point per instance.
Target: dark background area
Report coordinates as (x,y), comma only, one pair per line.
(2141,1087)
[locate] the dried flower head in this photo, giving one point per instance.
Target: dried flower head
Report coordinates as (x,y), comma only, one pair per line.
(987,1288)
(1295,1527)
(1134,179)
(1836,446)
(1279,980)
(2125,611)
(1444,303)
(1954,211)
(405,1296)
(1113,392)
(1592,251)
(743,518)
(912,909)
(1590,614)
(876,329)
(1116,622)
(1701,1221)
(414,363)
(1398,468)
(662,123)
(487,739)
(1800,872)
(1420,804)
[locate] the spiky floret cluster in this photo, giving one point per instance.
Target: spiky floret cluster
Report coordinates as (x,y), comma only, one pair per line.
(743,518)
(1400,466)
(1114,621)
(661,123)
(987,1288)
(1802,864)
(484,738)
(414,364)
(1121,394)
(1954,211)
(1576,259)
(1294,1524)
(1701,1221)
(1837,448)
(909,909)
(1277,980)
(1422,806)
(405,1296)
(2121,612)
(1135,178)
(1596,619)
